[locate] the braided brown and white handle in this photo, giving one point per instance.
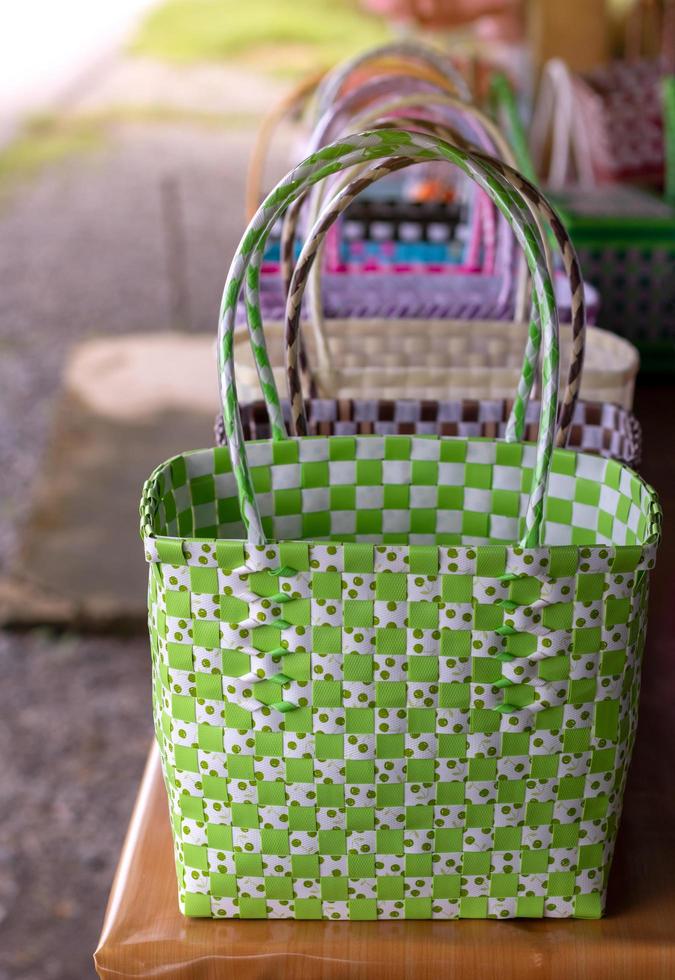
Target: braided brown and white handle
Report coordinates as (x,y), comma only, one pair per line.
(508,178)
(380,144)
(542,211)
(487,135)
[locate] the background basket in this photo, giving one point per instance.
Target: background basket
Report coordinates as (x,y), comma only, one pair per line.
(413,717)
(626,242)
(596,427)
(625,236)
(401,294)
(429,358)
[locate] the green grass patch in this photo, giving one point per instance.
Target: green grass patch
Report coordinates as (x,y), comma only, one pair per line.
(280,36)
(48,140)
(43,142)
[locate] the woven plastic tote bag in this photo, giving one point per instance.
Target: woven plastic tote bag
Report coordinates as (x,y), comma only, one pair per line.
(394,677)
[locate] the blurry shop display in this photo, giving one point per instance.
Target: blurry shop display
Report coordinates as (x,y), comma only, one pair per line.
(625,234)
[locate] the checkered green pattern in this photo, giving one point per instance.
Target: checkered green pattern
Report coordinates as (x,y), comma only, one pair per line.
(394,712)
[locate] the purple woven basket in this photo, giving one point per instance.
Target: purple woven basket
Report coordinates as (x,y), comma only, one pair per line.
(413,296)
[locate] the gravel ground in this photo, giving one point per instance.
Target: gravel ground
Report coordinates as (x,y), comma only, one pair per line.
(75,726)
(136,235)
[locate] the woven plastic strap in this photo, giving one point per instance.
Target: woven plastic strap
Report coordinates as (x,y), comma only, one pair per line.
(362,106)
(483,133)
(343,153)
(312,248)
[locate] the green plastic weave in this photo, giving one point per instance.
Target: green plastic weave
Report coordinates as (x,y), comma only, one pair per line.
(434,726)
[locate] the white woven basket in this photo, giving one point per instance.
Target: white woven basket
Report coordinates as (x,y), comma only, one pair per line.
(442,359)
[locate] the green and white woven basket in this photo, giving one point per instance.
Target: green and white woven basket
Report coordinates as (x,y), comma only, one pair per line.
(395,676)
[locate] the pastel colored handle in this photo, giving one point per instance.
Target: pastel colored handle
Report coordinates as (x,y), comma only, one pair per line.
(406,51)
(307,265)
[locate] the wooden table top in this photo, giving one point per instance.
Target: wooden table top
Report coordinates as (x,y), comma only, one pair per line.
(144,935)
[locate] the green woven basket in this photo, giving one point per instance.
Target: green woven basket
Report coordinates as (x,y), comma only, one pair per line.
(370,702)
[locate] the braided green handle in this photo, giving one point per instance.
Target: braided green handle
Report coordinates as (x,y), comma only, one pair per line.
(483,133)
(376,145)
(368,102)
(541,211)
(505,108)
(420,54)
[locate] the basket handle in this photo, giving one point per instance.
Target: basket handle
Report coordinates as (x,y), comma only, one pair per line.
(556,111)
(290,101)
(543,212)
(486,134)
(490,137)
(358,148)
(421,55)
(506,110)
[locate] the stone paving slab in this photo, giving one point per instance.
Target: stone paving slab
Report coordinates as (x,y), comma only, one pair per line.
(127,404)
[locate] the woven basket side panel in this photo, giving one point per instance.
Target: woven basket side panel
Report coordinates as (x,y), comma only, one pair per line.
(412,729)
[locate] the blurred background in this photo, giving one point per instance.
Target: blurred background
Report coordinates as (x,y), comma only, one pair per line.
(125,133)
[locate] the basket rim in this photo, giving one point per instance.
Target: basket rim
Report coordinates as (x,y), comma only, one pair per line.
(150,498)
